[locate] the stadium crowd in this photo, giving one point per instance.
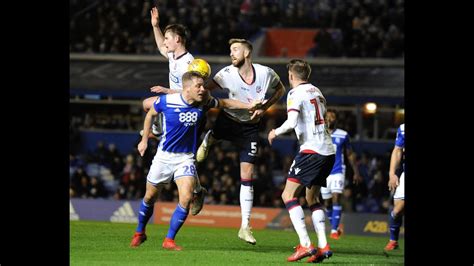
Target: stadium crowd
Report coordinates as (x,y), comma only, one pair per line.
(359,28)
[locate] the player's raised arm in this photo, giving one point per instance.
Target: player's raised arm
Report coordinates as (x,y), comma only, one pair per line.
(162,90)
(159,38)
(146,131)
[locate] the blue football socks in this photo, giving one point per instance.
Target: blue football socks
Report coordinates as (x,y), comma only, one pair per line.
(143,216)
(336,216)
(177,220)
(395,223)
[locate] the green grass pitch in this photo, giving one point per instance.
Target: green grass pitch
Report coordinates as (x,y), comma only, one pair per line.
(104,243)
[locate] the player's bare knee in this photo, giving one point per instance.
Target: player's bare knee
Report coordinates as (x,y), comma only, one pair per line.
(150,199)
(398,210)
(328,202)
(311,200)
(246,170)
(336,198)
(185,200)
(286,196)
(246,174)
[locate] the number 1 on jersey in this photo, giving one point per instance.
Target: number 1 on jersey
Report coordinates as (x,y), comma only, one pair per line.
(318,119)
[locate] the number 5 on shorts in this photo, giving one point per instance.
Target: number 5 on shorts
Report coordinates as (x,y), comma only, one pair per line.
(253,147)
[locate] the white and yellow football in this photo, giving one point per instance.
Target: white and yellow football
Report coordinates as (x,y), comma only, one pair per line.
(200,66)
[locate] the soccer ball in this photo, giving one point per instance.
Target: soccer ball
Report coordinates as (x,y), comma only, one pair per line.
(200,66)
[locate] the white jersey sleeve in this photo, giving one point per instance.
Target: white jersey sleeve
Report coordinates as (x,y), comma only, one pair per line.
(177,67)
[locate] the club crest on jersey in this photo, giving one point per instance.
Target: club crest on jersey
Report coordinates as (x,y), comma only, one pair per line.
(174,79)
(259,89)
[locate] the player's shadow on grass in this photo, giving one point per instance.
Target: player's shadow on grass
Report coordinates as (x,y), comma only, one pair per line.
(397,253)
(257,248)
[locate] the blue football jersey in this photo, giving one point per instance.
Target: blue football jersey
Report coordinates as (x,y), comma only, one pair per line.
(400,142)
(341,141)
(180,122)
(400,139)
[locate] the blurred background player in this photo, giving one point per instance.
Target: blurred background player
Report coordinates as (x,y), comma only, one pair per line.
(306,107)
(174,160)
(246,82)
(397,185)
(335,181)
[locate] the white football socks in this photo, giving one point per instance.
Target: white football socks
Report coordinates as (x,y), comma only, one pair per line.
(319,226)
(297,218)
(246,202)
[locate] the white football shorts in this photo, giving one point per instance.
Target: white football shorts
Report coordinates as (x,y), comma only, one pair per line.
(167,166)
(334,184)
(400,190)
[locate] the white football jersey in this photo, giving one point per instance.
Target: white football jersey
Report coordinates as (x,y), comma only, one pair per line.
(178,67)
(310,129)
(229,78)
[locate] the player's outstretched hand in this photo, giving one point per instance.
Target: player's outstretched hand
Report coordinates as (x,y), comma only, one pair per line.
(142,147)
(159,89)
(155,17)
(271,136)
(393,182)
(257,104)
(257,113)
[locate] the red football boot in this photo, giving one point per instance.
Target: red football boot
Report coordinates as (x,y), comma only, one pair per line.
(323,253)
(302,252)
(391,245)
(169,244)
(138,239)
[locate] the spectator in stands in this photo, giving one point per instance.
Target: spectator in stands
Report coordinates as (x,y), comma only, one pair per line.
(323,44)
(97,189)
(107,28)
(83,190)
(99,154)
(111,154)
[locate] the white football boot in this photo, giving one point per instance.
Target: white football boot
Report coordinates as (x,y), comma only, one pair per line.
(246,235)
(204,148)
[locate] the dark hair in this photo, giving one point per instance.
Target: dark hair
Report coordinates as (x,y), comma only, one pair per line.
(299,68)
(187,76)
(243,42)
(179,30)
